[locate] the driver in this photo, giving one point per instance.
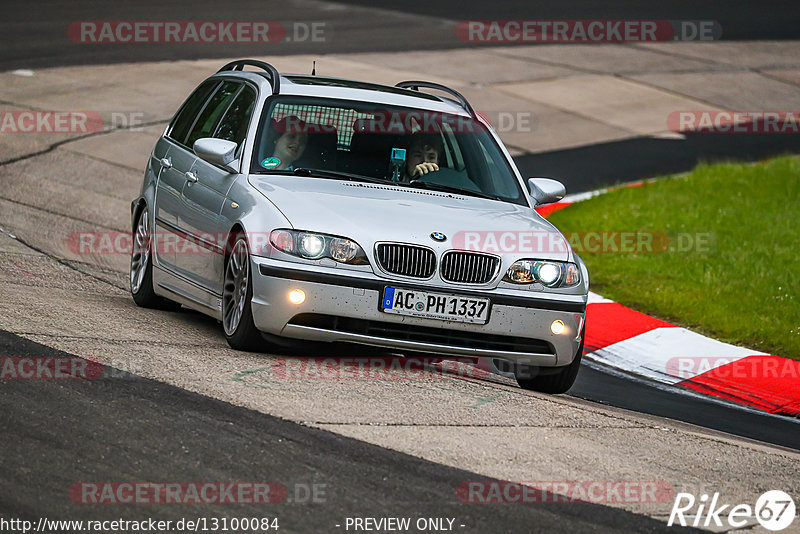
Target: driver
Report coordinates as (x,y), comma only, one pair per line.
(423,155)
(286,141)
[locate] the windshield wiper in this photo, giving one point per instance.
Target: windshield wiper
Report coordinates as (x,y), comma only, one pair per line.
(322,173)
(433,186)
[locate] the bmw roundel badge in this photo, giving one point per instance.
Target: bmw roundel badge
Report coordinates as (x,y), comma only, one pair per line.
(438,236)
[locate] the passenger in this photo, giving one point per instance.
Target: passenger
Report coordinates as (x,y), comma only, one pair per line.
(286,142)
(423,155)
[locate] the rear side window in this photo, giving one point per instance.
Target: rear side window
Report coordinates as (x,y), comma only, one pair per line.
(208,118)
(184,119)
(233,126)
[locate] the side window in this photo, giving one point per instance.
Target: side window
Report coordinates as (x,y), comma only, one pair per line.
(233,126)
(207,120)
(184,119)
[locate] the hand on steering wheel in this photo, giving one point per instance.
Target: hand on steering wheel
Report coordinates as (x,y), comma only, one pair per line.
(424,168)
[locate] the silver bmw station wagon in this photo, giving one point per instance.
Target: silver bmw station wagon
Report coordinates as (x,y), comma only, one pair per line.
(300,207)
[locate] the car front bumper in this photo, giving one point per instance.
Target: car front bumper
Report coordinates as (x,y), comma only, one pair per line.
(345,306)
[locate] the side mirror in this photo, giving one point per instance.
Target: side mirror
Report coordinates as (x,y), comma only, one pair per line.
(217,152)
(546,190)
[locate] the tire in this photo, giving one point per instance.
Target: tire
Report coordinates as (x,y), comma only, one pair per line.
(141,268)
(552,380)
(237,293)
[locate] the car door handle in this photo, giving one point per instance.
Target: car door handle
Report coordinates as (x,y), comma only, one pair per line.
(166,163)
(191,177)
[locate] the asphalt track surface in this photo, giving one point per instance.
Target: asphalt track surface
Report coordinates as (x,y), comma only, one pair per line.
(57,432)
(53,430)
(640,395)
(739,19)
(38,37)
(590,167)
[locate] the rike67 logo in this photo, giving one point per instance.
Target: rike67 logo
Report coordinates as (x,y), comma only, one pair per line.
(774,510)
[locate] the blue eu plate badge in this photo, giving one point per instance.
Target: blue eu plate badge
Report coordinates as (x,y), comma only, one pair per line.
(388,298)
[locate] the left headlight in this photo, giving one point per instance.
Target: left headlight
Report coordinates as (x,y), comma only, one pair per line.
(549,273)
(314,246)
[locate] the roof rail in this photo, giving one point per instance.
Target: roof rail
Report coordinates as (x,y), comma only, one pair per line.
(274,76)
(415,85)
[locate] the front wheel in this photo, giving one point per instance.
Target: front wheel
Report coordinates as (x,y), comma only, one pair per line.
(553,380)
(237,292)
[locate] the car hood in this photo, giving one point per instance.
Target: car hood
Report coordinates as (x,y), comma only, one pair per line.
(368,213)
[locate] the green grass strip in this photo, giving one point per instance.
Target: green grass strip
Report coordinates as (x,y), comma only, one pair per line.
(739,280)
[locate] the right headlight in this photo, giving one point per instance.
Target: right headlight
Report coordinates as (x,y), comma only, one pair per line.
(314,246)
(548,273)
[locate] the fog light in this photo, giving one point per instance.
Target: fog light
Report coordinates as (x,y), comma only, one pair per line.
(557,327)
(298,296)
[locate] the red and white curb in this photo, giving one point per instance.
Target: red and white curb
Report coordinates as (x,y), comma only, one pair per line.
(619,337)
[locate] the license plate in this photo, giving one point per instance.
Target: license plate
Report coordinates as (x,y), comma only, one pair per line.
(435,305)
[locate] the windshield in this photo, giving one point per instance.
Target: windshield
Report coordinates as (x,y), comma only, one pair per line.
(408,147)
